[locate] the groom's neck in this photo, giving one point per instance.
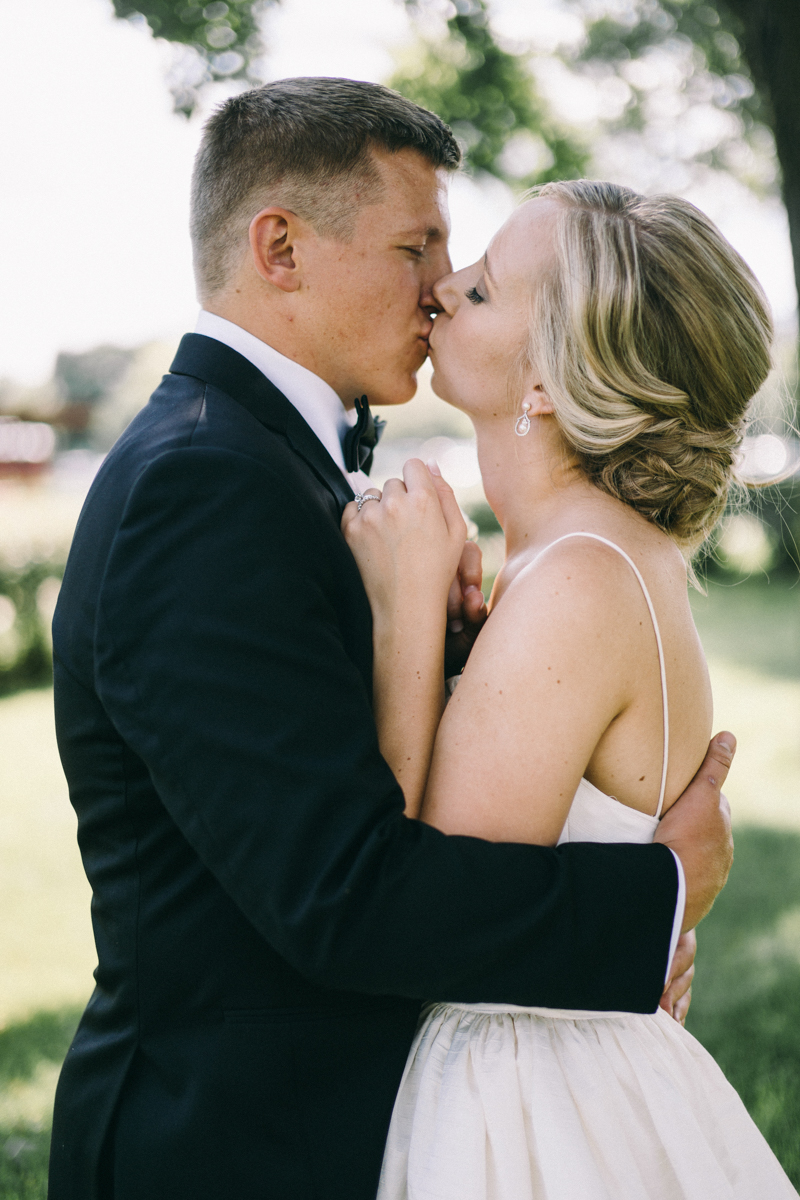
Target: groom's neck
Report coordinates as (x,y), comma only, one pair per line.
(273,324)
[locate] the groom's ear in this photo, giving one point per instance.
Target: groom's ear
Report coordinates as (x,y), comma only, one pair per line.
(274,234)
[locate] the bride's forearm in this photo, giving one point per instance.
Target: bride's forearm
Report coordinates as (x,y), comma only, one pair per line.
(408,686)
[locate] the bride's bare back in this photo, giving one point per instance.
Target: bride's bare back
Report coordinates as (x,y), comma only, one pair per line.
(564,682)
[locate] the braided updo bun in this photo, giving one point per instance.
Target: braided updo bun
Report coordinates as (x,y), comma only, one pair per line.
(650,337)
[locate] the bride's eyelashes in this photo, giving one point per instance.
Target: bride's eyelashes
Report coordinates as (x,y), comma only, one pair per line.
(474,296)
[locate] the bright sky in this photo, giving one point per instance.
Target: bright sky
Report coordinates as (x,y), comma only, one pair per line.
(94,198)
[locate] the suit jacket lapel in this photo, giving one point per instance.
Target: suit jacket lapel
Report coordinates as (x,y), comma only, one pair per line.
(214,363)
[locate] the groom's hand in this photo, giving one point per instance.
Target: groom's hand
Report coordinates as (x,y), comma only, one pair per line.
(466,610)
(698,829)
(678,993)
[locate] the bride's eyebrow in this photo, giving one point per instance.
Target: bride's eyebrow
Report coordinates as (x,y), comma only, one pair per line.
(487,272)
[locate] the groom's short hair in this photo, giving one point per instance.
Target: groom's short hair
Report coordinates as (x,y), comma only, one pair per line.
(301,144)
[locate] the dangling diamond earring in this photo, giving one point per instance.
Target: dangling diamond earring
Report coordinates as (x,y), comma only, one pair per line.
(522,424)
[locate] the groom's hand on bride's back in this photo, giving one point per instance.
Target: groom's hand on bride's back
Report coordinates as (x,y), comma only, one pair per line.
(698,828)
(466,610)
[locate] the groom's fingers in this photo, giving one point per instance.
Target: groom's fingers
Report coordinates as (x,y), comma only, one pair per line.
(677,993)
(475,610)
(455,604)
(698,828)
(681,1008)
(470,569)
(471,574)
(684,956)
(462,603)
(718,759)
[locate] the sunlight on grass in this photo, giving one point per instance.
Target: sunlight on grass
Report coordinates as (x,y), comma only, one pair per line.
(30,1101)
(764,712)
(46,946)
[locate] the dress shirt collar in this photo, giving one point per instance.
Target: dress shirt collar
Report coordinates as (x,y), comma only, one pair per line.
(314,399)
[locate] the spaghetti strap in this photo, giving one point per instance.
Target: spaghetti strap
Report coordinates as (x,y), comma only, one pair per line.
(662,665)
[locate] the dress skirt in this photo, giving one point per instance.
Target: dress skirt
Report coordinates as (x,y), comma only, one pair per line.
(503,1103)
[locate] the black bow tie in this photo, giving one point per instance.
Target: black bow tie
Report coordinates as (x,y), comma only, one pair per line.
(361,440)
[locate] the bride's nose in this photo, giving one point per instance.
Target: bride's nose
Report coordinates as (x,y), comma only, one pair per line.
(445,293)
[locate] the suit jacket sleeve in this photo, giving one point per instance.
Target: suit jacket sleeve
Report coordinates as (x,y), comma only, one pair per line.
(220,660)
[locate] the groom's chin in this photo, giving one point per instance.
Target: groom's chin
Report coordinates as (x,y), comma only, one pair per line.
(399,392)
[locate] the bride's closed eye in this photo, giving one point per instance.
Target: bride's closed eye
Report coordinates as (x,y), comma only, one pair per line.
(474,296)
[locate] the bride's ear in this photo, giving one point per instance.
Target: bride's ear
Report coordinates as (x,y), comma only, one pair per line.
(540,403)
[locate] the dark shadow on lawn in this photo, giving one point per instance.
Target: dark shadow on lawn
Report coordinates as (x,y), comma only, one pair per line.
(24,1150)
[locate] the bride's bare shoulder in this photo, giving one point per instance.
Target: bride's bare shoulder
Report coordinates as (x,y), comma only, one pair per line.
(580,568)
(583,587)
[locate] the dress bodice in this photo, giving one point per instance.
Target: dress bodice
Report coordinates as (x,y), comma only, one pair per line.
(596,817)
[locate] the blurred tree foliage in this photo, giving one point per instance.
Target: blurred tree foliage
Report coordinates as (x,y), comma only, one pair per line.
(222,40)
(743,60)
(484,92)
(488,97)
(30,662)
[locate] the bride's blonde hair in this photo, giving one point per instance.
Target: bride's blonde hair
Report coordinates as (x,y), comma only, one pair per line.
(650,337)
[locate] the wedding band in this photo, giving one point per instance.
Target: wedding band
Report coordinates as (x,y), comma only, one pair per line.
(361,500)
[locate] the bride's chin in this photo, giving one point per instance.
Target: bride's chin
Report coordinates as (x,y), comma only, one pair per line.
(439,388)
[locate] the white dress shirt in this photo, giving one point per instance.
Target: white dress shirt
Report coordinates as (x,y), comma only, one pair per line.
(680,909)
(314,399)
(323,411)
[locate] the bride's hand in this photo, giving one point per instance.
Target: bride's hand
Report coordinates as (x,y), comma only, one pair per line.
(409,543)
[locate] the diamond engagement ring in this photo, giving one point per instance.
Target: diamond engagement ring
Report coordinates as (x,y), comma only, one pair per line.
(362,499)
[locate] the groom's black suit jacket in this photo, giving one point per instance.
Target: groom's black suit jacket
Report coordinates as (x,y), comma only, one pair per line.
(267,920)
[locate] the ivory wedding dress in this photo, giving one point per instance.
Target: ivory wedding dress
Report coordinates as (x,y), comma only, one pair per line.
(499,1102)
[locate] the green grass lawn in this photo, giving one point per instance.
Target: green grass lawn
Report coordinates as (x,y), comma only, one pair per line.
(746,1007)
(752,622)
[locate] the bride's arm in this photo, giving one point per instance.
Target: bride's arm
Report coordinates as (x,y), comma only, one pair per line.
(408,548)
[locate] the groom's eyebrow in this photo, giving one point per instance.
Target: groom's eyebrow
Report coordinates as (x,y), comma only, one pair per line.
(429,232)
